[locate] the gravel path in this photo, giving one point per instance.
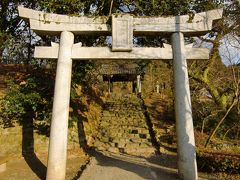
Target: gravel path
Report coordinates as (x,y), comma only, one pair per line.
(122,167)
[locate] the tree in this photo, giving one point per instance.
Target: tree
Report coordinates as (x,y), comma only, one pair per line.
(15,33)
(221,82)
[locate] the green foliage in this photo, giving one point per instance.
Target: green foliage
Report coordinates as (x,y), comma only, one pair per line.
(12,104)
(138,7)
(218,162)
(3,38)
(204,5)
(162,8)
(70,7)
(214,91)
(15,36)
(30,97)
(81,70)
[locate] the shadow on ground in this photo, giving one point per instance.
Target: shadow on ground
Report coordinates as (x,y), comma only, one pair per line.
(36,166)
(28,148)
(157,167)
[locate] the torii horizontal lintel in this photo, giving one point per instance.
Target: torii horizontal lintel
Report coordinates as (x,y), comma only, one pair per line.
(97,53)
(49,23)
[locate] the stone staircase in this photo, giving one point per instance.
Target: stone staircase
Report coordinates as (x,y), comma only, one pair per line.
(123,128)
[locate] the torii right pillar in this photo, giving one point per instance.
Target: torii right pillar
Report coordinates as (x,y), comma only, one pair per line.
(187,165)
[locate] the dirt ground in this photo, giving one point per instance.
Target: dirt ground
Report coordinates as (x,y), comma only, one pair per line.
(34,167)
(106,166)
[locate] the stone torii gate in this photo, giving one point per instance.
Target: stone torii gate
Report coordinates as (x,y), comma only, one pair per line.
(122,29)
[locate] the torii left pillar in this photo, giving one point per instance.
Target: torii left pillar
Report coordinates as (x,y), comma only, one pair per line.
(57,153)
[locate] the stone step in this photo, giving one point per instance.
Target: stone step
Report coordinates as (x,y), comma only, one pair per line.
(122,144)
(129,140)
(133,145)
(121,124)
(112,134)
(123,117)
(126,116)
(143,151)
(122,109)
(122,114)
(123,128)
(123,138)
(121,131)
(124,125)
(121,120)
(128,130)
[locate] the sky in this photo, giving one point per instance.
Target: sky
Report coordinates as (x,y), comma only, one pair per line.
(230,49)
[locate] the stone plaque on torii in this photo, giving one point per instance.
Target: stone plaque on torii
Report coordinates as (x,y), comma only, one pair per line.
(122,30)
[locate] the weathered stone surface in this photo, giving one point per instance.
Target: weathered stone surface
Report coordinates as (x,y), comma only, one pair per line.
(148,151)
(187,165)
(124,134)
(100,145)
(113,149)
(133,145)
(121,144)
(57,155)
(101,148)
(43,23)
(3,167)
(143,145)
(104,139)
(98,53)
(122,32)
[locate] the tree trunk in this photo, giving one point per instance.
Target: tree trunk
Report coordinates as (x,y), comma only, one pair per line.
(219,123)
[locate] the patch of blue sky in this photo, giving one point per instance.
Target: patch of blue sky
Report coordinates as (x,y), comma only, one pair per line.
(229,49)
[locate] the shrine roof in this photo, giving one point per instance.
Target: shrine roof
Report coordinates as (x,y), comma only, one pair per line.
(112,69)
